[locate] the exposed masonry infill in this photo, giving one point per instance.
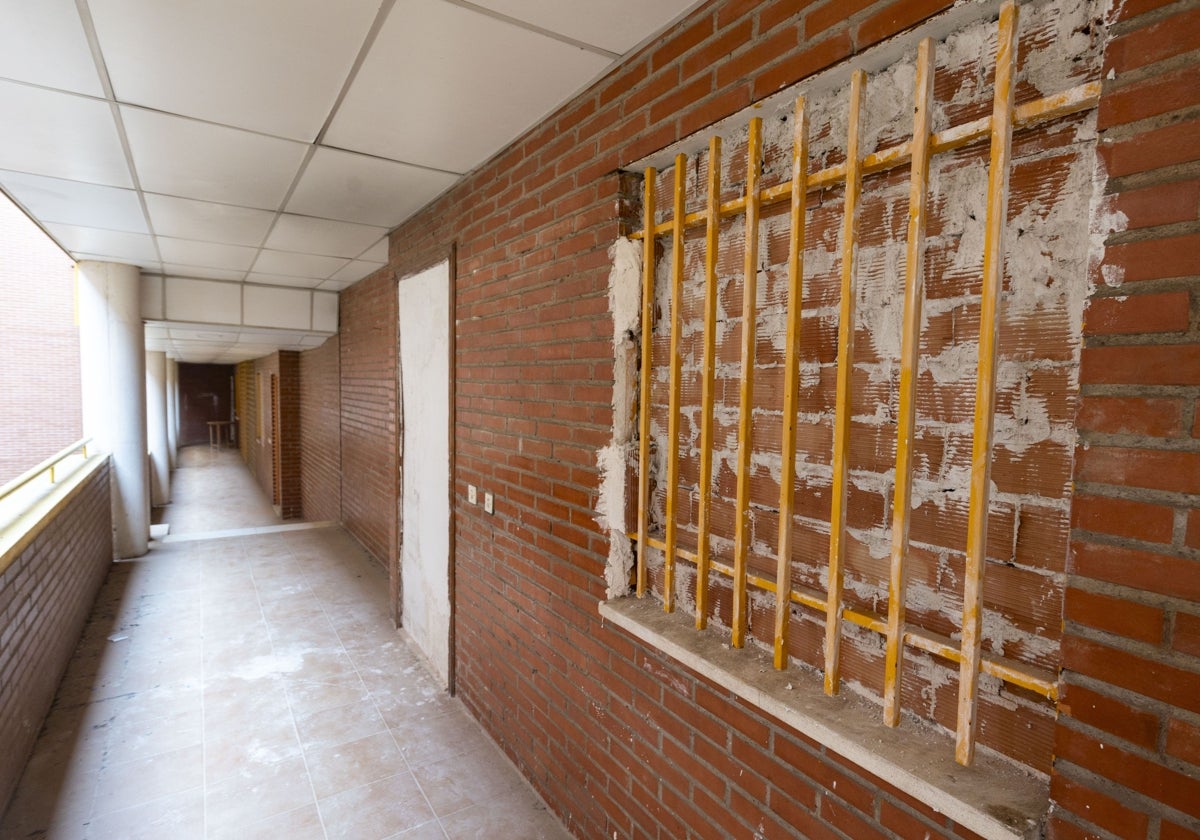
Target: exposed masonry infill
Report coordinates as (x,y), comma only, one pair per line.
(1054,237)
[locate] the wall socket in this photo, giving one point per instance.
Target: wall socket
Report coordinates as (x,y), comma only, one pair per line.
(489,505)
(472,494)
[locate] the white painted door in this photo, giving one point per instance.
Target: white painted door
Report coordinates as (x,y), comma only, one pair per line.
(425,399)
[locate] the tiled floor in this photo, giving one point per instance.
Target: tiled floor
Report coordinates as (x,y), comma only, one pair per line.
(251,687)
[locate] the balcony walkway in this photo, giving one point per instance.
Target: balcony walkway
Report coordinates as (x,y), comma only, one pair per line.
(251,686)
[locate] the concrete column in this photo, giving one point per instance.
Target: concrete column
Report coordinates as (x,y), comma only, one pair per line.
(112,348)
(172,406)
(156,427)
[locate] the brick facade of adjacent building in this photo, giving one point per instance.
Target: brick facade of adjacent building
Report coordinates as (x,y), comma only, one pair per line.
(41,413)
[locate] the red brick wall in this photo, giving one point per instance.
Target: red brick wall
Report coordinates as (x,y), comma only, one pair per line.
(285,367)
(601,724)
(367,353)
(1128,740)
(46,595)
(39,342)
(289,434)
(320,439)
(247,410)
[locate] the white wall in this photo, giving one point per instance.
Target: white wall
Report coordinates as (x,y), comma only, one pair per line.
(425,394)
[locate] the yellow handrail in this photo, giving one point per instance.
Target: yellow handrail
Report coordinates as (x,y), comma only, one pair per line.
(46,466)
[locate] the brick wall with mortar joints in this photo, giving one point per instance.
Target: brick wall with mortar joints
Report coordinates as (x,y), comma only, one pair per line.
(320,444)
(40,346)
(245,389)
(1128,742)
(289,435)
(261,463)
(285,367)
(1040,340)
(547,679)
(46,595)
(367,354)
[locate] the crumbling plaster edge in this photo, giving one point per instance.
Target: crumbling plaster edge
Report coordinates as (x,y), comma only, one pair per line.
(991,798)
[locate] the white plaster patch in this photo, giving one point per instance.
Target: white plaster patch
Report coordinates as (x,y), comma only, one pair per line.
(624,302)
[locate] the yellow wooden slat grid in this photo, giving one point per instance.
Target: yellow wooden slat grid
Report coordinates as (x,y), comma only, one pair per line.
(845,372)
(985,383)
(709,364)
(910,345)
(643,513)
(918,151)
(741,525)
(791,381)
(671,525)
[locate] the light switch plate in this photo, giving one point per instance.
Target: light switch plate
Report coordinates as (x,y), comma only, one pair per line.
(472,494)
(489,505)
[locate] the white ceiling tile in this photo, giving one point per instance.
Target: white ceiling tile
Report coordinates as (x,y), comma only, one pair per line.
(202,272)
(266,335)
(208,254)
(135,248)
(358,188)
(277,307)
(193,159)
(290,264)
(225,223)
(452,102)
(325,312)
(152,296)
(203,300)
(60,135)
(274,66)
(147,266)
(355,271)
(283,280)
(322,236)
(333,285)
(43,42)
(76,203)
(377,252)
(614,25)
(201,334)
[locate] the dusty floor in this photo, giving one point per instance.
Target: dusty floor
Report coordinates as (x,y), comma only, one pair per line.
(251,687)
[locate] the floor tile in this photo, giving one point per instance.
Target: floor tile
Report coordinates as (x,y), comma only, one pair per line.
(354,764)
(426,740)
(431,830)
(219,680)
(376,811)
(240,752)
(256,793)
(179,816)
(128,783)
(300,824)
(468,779)
(514,815)
(338,725)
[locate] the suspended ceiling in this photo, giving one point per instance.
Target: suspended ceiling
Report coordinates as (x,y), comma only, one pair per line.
(276,142)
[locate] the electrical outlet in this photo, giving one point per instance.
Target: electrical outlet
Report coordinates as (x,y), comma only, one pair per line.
(489,505)
(472,494)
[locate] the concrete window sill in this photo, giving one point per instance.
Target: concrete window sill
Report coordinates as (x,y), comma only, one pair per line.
(992,798)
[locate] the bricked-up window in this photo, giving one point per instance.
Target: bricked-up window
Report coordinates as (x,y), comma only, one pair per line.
(709,456)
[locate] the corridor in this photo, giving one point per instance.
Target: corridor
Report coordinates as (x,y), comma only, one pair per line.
(243,681)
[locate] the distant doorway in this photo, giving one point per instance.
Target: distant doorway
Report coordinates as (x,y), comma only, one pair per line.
(425,394)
